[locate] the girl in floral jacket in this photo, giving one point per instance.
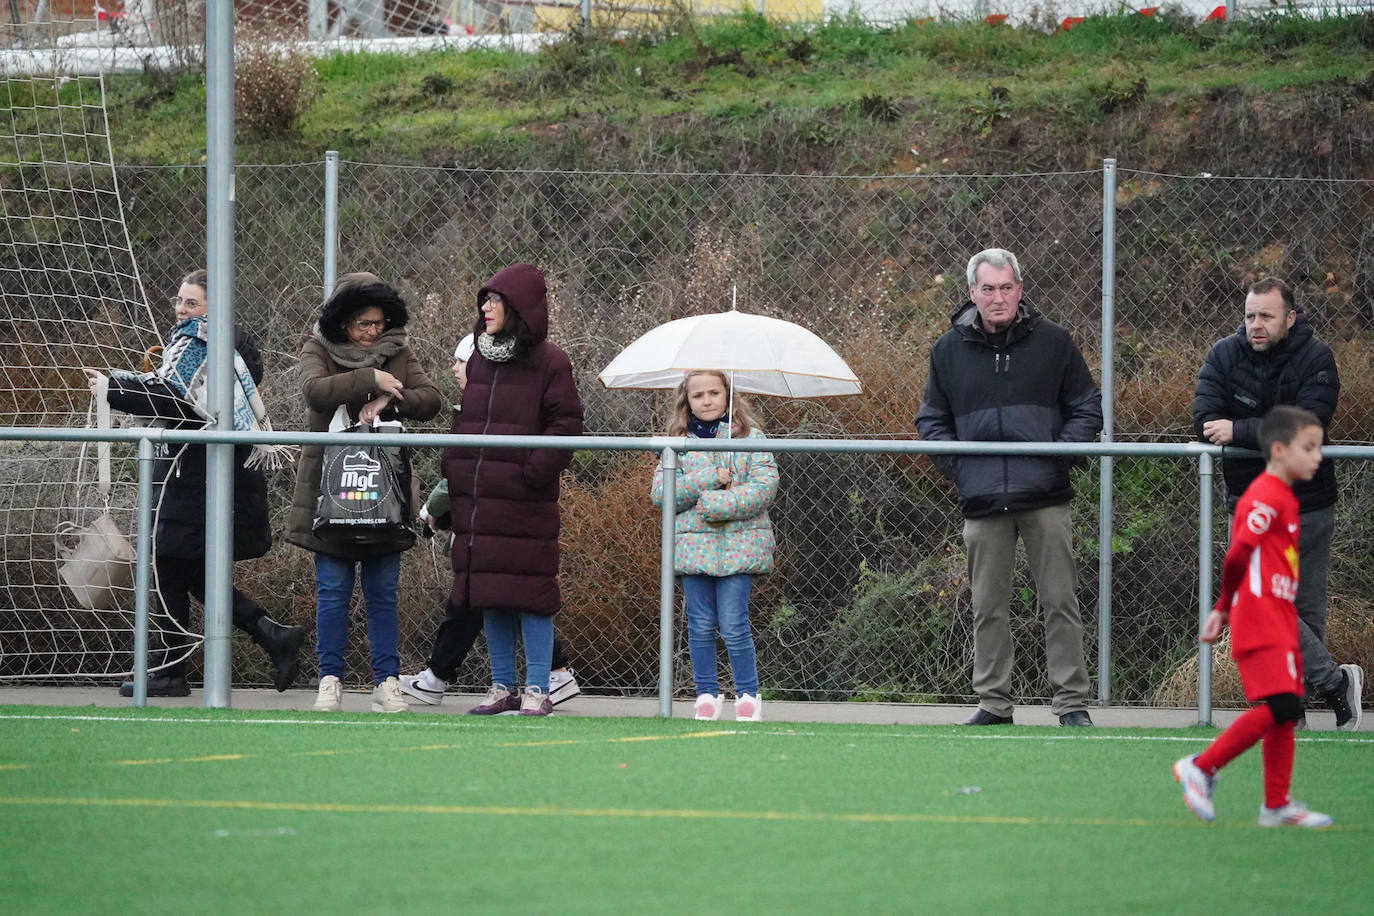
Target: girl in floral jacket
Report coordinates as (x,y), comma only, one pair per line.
(723,537)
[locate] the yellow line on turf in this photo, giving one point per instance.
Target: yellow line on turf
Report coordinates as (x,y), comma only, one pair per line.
(623,813)
(626,740)
(336,752)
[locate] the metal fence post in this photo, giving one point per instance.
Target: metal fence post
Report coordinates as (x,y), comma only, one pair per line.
(665,584)
(331,220)
(1204,586)
(219,243)
(317,28)
(586,13)
(142,578)
(1106,465)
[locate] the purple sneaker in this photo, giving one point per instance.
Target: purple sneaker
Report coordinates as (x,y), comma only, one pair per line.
(536,702)
(499,700)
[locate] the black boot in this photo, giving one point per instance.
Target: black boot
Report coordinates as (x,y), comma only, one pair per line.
(283,644)
(160,684)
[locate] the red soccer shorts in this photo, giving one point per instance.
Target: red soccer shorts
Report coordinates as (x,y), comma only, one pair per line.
(1265,672)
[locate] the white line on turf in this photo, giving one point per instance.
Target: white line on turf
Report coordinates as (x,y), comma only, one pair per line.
(1026,733)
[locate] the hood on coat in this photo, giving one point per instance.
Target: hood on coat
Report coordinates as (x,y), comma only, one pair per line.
(526,294)
(354,293)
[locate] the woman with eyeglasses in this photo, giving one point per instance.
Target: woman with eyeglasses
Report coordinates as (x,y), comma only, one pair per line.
(504,501)
(175,394)
(357,357)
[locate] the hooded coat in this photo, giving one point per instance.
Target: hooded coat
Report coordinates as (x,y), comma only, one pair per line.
(505,501)
(327,384)
(180,469)
(1028,383)
(1238,383)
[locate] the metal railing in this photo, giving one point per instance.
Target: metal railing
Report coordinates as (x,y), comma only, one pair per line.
(668,448)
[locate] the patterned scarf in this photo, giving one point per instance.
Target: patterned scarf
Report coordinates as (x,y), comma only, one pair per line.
(495,349)
(184,370)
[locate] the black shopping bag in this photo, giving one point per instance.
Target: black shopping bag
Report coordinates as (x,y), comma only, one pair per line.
(365,493)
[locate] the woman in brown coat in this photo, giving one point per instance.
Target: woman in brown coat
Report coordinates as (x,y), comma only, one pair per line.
(504,501)
(356,357)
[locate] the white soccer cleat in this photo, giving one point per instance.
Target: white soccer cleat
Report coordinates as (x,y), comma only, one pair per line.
(1197,787)
(1293,814)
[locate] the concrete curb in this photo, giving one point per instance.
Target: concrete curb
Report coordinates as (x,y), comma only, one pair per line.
(647,708)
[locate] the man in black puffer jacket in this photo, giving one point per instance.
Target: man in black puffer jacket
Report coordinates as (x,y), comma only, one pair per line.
(1005,373)
(1276,358)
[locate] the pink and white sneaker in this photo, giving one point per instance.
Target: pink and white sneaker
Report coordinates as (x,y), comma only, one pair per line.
(708,706)
(499,701)
(748,708)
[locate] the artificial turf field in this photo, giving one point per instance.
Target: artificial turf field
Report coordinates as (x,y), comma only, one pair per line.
(210,811)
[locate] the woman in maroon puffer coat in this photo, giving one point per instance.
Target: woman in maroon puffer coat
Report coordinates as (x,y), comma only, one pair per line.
(504,500)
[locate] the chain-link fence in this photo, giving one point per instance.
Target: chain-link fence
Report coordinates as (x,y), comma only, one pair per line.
(870,598)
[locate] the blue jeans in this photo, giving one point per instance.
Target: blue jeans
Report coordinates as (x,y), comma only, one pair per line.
(537,631)
(720,603)
(333,592)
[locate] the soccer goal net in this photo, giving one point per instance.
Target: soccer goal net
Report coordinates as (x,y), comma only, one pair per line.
(70,296)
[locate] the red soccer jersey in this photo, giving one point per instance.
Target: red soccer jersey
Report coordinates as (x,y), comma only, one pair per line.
(1259,578)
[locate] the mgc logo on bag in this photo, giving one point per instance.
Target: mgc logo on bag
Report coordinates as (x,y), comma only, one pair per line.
(361,484)
(361,476)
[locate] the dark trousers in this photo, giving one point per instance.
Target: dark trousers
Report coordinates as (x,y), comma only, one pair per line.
(178,581)
(456,635)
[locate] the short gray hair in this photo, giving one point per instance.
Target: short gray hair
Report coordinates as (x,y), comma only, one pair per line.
(993,257)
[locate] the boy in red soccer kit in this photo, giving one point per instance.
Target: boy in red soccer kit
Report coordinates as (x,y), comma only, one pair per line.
(1259,580)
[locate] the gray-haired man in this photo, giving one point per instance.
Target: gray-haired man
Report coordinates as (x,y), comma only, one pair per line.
(1004,372)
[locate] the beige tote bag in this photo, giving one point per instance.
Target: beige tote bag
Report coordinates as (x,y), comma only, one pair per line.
(96,561)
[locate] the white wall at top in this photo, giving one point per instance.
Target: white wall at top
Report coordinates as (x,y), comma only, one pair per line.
(1042,11)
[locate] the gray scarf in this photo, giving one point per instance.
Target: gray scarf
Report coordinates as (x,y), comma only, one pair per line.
(354,356)
(494,349)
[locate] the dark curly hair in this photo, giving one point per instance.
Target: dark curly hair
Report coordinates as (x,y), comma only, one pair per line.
(355,293)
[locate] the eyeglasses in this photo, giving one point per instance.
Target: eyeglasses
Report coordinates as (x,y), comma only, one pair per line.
(370,324)
(189,303)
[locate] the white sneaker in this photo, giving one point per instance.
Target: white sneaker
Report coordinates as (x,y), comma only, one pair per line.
(708,706)
(330,698)
(387,697)
(562,686)
(1197,787)
(1293,814)
(748,708)
(424,687)
(1354,699)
